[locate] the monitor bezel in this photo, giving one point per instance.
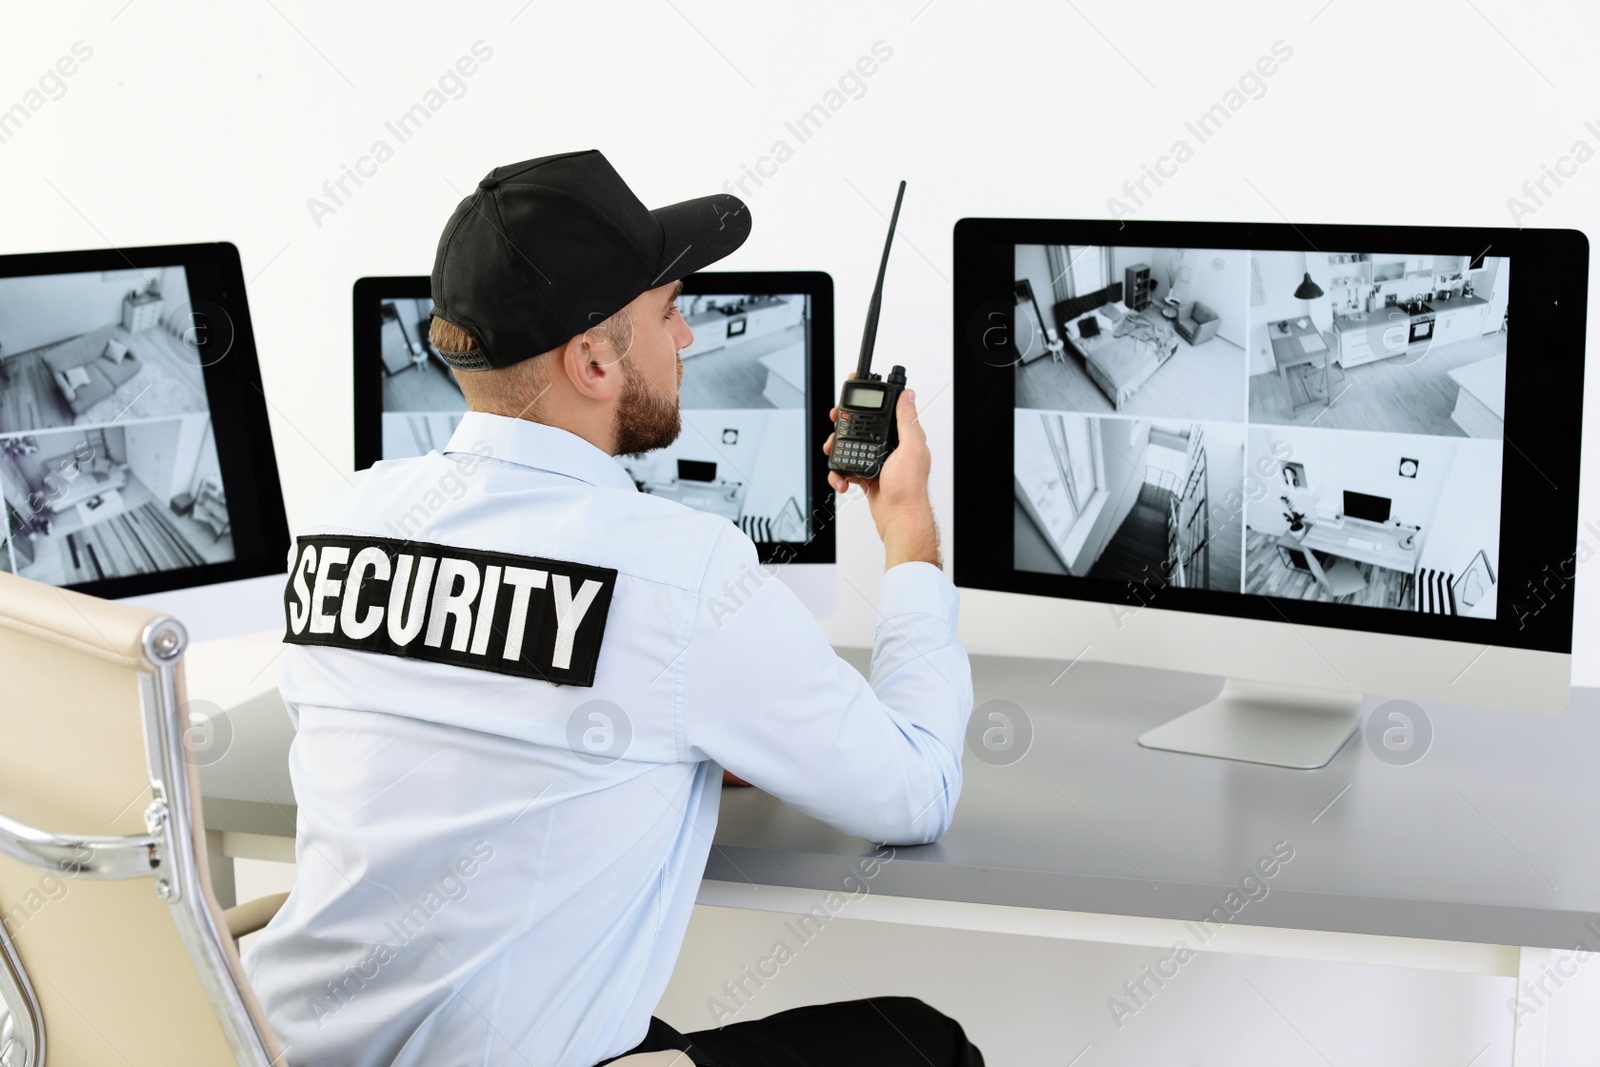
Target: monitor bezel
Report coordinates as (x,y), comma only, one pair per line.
(258,523)
(369,293)
(1536,607)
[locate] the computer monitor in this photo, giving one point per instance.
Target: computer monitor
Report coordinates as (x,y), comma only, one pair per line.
(1366,506)
(696,470)
(757,386)
(1286,456)
(135,457)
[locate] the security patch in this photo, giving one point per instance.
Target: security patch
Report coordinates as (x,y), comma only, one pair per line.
(521,615)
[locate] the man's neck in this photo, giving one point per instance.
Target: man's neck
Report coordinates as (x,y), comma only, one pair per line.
(584,428)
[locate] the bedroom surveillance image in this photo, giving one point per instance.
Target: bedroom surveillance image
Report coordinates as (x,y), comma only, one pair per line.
(1145,332)
(1144,503)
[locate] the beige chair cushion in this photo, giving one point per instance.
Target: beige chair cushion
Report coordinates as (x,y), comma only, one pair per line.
(253,915)
(114,982)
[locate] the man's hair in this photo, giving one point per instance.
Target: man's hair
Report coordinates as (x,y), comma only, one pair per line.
(514,390)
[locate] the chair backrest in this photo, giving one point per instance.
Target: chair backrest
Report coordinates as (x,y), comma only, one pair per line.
(112,946)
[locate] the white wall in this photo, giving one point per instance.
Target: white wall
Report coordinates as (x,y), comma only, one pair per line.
(934,113)
(1124,443)
(1220,279)
(166,455)
(1033,263)
(1371,464)
(1461,525)
(41,310)
(194,446)
(153,455)
(775,476)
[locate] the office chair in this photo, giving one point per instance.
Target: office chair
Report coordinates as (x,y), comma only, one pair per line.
(1342,578)
(112,946)
(1336,579)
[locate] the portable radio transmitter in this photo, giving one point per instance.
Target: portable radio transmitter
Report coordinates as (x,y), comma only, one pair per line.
(865,432)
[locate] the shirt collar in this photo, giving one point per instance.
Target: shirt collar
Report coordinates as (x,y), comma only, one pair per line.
(537,446)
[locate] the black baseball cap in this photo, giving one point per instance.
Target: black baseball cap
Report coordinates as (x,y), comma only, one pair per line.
(544,249)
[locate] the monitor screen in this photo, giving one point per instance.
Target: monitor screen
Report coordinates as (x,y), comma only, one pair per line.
(755,393)
(1365,506)
(696,470)
(1275,422)
(134,450)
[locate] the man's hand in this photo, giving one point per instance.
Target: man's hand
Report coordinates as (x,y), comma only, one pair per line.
(898,496)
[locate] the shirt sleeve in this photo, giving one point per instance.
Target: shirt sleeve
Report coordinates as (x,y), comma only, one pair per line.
(765,696)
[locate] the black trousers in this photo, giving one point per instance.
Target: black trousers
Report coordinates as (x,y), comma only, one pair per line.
(875,1032)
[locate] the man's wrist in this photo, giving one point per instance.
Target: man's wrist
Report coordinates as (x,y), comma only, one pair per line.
(911,539)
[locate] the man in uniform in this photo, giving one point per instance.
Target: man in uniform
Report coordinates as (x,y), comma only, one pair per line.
(517,680)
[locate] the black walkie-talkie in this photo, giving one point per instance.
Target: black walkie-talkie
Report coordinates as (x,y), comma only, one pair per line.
(866,432)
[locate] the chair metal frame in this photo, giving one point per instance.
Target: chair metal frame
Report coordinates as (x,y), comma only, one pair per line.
(166,852)
(18,1002)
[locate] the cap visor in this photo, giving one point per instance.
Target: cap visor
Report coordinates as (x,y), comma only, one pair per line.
(698,233)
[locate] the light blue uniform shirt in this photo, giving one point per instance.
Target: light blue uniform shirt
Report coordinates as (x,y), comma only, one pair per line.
(493,869)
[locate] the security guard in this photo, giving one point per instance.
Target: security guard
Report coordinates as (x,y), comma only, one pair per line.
(517,681)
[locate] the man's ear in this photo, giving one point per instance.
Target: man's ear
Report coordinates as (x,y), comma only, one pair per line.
(590,368)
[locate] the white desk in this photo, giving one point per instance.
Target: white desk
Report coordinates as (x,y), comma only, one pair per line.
(1380,544)
(719,497)
(1464,861)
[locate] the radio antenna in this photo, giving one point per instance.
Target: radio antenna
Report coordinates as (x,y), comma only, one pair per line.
(869,336)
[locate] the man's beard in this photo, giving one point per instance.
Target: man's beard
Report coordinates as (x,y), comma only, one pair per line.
(646,419)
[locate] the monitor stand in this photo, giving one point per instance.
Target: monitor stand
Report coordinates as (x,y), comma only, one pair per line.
(1279,725)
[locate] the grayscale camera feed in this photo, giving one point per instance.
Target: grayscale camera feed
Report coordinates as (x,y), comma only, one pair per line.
(108,466)
(1315,426)
(742,452)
